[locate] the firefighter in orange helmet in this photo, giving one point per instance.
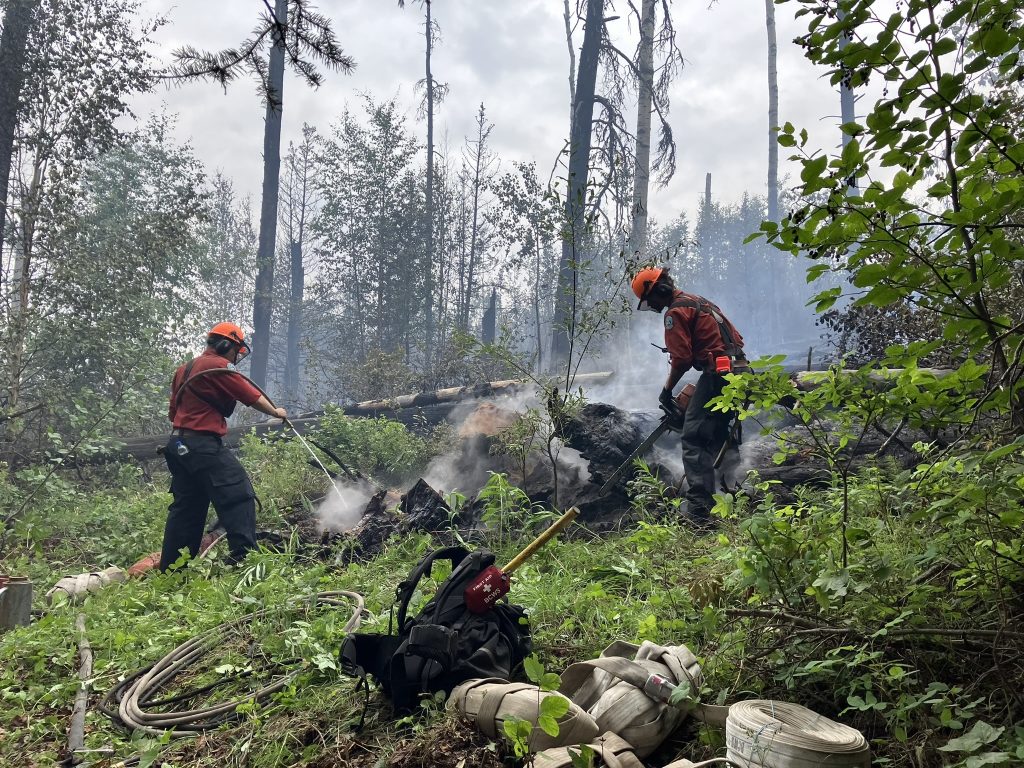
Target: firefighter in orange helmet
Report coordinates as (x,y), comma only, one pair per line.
(697,335)
(202,469)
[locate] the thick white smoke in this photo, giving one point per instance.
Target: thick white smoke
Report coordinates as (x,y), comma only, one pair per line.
(342,510)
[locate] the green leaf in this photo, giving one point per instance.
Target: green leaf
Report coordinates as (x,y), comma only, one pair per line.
(534,669)
(813,273)
(583,757)
(554,706)
(997,41)
(548,724)
(870,274)
(981,734)
(813,168)
(944,46)
(987,758)
(550,682)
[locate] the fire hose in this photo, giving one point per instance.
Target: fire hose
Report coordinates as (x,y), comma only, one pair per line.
(133,703)
(759,733)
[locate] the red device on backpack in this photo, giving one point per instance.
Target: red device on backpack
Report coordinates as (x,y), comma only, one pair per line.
(493,583)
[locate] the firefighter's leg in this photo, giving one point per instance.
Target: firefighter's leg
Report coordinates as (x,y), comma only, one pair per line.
(704,433)
(186,515)
(235,501)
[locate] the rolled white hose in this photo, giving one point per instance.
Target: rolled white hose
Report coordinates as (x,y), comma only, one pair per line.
(779,734)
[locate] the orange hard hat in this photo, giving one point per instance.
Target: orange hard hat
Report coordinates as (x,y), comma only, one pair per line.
(233,333)
(645,279)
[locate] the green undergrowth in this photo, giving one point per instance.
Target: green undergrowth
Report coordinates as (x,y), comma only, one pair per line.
(891,632)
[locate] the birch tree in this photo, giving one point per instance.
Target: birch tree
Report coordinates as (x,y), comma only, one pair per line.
(652,86)
(773,112)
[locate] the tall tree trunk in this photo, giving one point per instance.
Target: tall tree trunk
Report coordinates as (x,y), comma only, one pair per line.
(537,287)
(773,112)
(773,157)
(572,58)
(642,171)
(706,234)
(263,302)
(489,326)
(462,303)
(17,23)
(846,104)
(478,169)
(564,321)
(429,267)
(291,370)
(21,294)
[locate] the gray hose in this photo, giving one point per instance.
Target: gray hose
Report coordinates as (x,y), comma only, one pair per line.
(138,691)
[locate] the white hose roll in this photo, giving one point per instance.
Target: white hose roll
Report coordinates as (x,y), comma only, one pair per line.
(778,734)
(75,588)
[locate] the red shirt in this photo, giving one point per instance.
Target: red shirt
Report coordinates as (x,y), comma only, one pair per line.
(693,337)
(221,389)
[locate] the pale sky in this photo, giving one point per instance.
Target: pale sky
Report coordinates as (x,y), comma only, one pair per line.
(512,55)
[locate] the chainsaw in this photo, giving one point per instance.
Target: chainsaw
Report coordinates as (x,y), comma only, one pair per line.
(671,421)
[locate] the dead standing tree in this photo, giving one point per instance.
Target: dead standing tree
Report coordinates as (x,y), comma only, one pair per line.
(608,136)
(433,94)
(302,38)
(300,197)
(17,22)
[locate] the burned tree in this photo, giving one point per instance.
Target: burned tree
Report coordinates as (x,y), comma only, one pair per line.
(303,38)
(616,147)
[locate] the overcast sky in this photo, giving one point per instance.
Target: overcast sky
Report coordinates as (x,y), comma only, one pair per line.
(512,55)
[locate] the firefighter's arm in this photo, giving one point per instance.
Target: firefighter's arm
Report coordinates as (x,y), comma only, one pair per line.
(675,373)
(680,347)
(263,406)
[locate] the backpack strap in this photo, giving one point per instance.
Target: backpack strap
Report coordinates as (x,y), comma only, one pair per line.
(702,305)
(186,383)
(405,590)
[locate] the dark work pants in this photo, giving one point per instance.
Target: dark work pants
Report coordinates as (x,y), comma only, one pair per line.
(208,472)
(704,433)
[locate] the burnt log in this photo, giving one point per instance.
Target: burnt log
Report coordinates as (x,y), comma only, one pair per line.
(424,509)
(605,436)
(367,539)
(418,411)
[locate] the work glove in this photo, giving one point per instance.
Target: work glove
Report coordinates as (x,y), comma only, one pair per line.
(665,398)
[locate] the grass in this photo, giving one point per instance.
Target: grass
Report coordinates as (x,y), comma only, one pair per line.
(656,581)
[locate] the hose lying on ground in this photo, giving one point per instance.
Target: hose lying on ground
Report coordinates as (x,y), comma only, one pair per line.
(133,703)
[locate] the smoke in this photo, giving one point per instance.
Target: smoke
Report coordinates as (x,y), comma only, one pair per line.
(466,467)
(342,510)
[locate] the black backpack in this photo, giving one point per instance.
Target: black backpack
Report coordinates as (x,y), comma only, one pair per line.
(445,644)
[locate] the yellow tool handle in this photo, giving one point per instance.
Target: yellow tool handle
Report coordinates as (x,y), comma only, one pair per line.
(541,540)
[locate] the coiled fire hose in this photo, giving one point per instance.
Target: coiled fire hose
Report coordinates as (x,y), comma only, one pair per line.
(781,734)
(133,703)
(761,733)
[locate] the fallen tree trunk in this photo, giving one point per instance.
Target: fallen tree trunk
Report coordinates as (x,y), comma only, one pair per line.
(808,380)
(76,731)
(455,394)
(429,408)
